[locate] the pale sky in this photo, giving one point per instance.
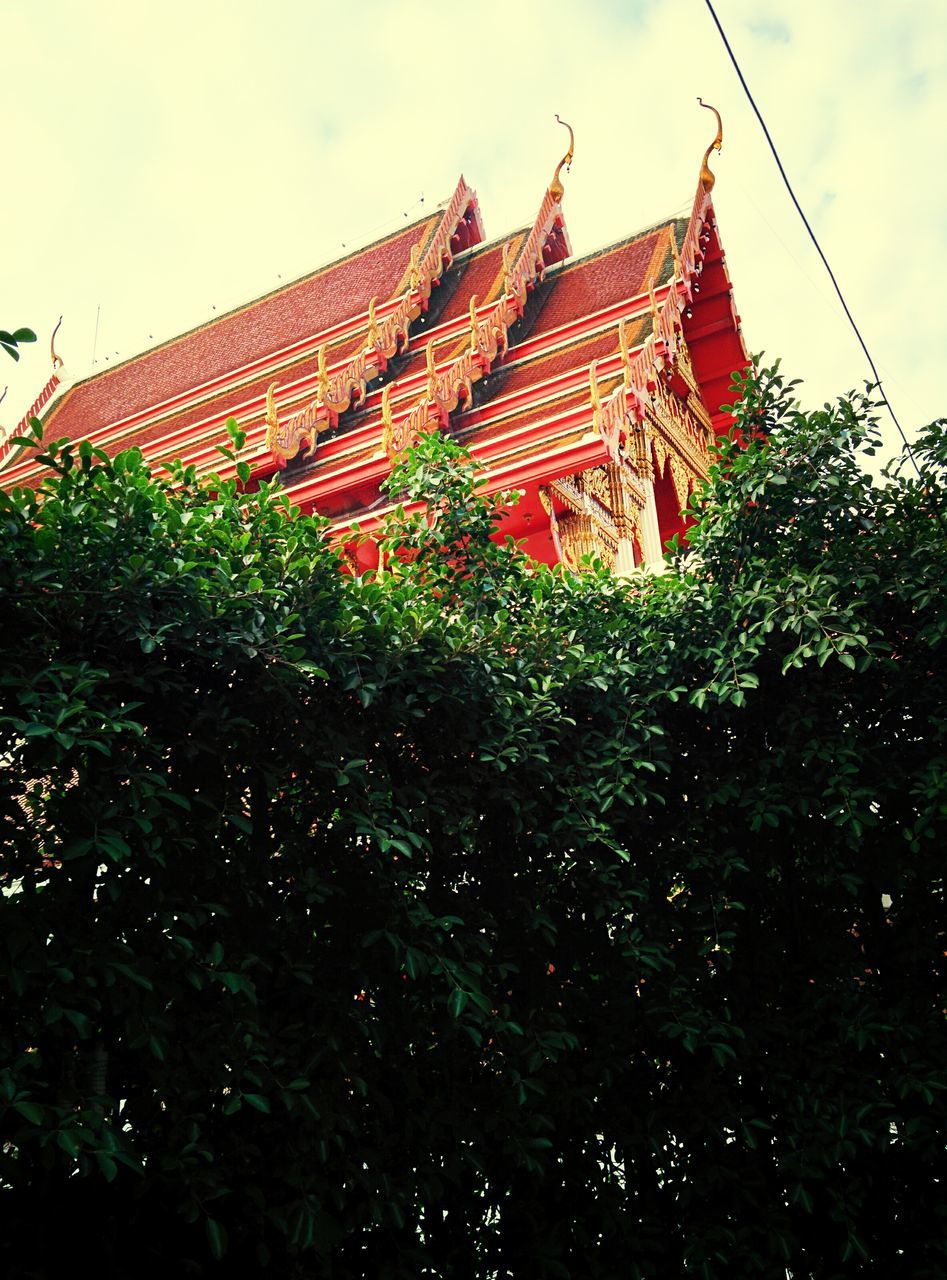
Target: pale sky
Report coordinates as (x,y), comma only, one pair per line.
(164,160)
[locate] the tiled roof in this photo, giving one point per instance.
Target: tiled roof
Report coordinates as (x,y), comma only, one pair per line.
(482,275)
(478,272)
(507,379)
(327,297)
(606,277)
(298,310)
(572,291)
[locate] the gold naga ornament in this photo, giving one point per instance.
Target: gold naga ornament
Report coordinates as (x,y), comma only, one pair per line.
(556,189)
(522,270)
(707,178)
(56,359)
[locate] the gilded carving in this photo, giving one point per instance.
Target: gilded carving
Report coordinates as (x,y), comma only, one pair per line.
(414,266)
(373,336)
(675,255)
(603,507)
(489,335)
(57,360)
(707,178)
(556,189)
(382,341)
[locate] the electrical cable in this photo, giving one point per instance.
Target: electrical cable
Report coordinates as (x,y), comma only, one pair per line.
(818,247)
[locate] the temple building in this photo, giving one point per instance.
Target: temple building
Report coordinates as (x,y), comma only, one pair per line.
(591,385)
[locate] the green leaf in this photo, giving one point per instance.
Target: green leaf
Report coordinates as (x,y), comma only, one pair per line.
(30,1111)
(216,1237)
(132,975)
(456,1001)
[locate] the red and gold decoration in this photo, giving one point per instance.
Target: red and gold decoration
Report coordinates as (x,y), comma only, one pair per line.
(594,387)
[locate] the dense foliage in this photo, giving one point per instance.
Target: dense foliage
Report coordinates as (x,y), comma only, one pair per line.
(469,919)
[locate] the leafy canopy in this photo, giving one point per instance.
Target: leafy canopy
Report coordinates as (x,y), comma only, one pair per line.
(468,919)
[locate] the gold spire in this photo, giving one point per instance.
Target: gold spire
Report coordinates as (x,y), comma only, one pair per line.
(706,173)
(57,360)
(556,188)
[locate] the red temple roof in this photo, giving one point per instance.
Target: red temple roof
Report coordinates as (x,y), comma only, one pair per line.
(541,365)
(299,310)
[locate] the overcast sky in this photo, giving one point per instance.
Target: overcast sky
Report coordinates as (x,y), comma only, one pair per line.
(164,160)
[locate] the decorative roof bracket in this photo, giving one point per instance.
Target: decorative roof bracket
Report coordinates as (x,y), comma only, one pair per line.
(546,243)
(383,339)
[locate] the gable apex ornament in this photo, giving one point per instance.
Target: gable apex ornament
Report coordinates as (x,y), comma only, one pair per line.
(53,354)
(556,189)
(707,178)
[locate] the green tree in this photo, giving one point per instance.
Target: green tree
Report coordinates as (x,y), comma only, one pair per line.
(468,919)
(10,341)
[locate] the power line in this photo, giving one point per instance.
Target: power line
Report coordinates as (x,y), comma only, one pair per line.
(812,237)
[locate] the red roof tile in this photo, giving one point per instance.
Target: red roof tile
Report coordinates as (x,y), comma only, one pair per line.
(299,310)
(597,282)
(576,355)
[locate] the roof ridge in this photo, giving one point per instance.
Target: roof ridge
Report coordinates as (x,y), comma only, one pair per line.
(599,252)
(497,242)
(262,297)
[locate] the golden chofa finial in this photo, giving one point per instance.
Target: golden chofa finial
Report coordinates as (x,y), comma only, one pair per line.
(706,173)
(57,360)
(556,188)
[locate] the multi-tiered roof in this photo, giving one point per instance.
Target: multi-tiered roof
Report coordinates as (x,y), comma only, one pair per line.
(592,385)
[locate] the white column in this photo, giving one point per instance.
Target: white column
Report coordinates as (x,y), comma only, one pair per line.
(650,533)
(625,558)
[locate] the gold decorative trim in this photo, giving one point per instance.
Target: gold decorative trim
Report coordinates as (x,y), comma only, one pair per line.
(556,189)
(374,334)
(707,178)
(57,360)
(675,255)
(336,394)
(488,336)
